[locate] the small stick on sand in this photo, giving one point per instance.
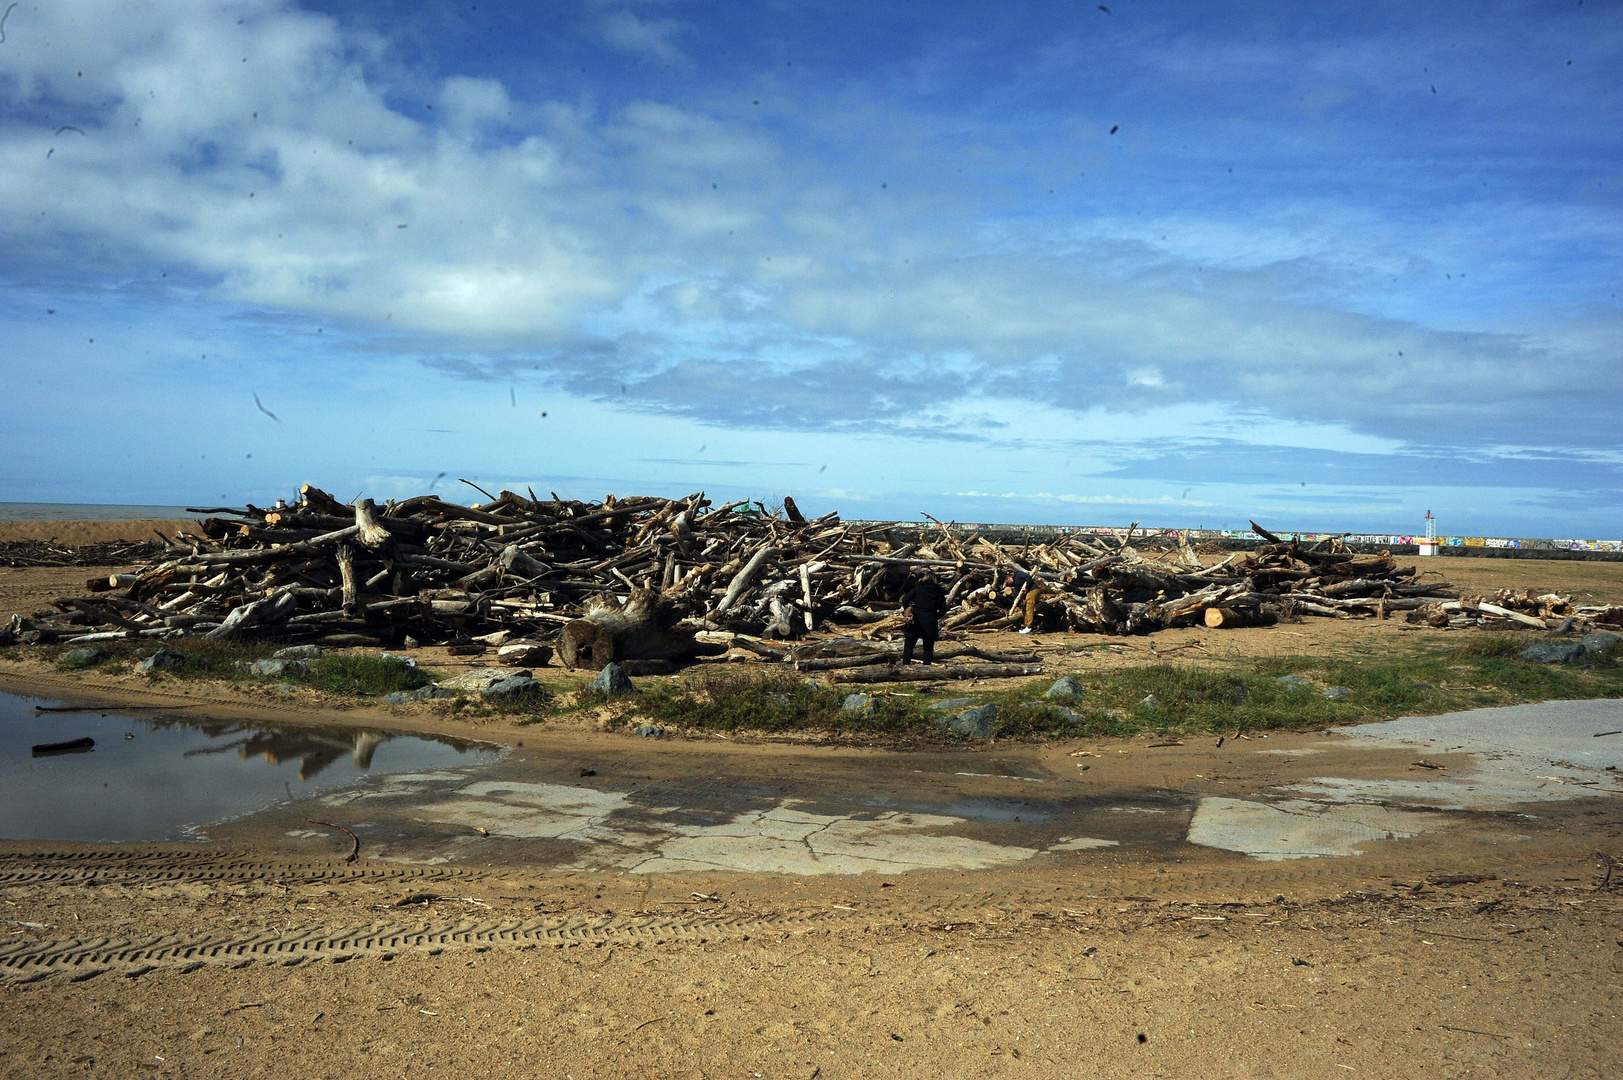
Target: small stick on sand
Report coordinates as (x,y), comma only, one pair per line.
(355,852)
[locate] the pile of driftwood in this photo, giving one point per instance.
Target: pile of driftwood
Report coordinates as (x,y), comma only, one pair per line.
(1510,609)
(669,579)
(29,553)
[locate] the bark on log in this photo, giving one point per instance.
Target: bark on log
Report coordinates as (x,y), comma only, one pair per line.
(346,573)
(370,531)
(806,594)
(259,613)
(932,672)
(741,580)
(314,546)
(644,629)
(1227,618)
(948,652)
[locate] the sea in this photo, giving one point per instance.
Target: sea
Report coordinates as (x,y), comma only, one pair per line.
(19,511)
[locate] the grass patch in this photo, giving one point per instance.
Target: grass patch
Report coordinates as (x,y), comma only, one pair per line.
(1492,645)
(1162,699)
(1165,699)
(351,673)
(347,674)
(769,702)
(85,658)
(1171,699)
(535,707)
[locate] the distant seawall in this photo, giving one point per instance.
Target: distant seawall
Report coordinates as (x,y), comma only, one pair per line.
(1491,547)
(1486,547)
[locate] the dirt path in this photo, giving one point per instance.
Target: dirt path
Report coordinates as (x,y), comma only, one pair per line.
(238,966)
(1481,944)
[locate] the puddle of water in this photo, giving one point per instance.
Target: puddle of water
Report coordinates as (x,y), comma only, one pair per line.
(977,765)
(1297,828)
(161,778)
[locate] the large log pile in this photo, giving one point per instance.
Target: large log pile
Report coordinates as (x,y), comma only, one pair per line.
(38,553)
(649,577)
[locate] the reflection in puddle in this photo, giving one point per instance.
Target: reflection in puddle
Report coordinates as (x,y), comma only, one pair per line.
(163,778)
(314,749)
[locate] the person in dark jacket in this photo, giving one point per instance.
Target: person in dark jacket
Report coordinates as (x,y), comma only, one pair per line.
(927,603)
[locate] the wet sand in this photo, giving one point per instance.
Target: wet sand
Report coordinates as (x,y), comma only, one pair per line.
(597,905)
(690,908)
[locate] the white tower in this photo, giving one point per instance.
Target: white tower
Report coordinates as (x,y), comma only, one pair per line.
(1428,546)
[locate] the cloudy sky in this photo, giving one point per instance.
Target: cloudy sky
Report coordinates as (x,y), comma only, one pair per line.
(1328,265)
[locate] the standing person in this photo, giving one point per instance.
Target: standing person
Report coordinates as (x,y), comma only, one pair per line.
(927,603)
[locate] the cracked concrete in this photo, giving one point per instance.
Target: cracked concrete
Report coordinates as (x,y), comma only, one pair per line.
(780,839)
(1298,828)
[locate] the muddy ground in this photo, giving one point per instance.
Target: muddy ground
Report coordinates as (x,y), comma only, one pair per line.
(1483,944)
(687,909)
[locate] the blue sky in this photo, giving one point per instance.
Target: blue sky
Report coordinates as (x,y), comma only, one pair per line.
(1325,265)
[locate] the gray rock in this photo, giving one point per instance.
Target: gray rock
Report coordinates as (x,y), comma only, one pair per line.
(83,656)
(411,642)
(973,723)
(399,658)
(531,653)
(1115,715)
(275,669)
(298,652)
(648,731)
(512,686)
(162,660)
(1151,702)
(1554,652)
(612,680)
(1599,641)
(431,692)
(1294,683)
(855,703)
(1068,688)
(957,704)
(1337,693)
(478,679)
(780,700)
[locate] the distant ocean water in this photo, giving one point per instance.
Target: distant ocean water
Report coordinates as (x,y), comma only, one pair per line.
(16,511)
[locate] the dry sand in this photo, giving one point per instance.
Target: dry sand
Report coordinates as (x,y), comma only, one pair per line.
(88,532)
(1156,958)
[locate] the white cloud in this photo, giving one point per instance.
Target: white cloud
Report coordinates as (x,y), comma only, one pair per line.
(627,31)
(714,268)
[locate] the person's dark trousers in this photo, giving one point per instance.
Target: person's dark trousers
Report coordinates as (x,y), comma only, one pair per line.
(926,634)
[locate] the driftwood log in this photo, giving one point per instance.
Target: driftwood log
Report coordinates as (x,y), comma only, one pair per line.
(932,672)
(645,628)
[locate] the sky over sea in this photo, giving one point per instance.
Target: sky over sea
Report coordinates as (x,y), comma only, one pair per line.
(1322,265)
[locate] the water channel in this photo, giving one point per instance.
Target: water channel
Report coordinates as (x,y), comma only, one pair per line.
(157,776)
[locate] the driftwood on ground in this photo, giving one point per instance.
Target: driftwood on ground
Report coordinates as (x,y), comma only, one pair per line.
(638,578)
